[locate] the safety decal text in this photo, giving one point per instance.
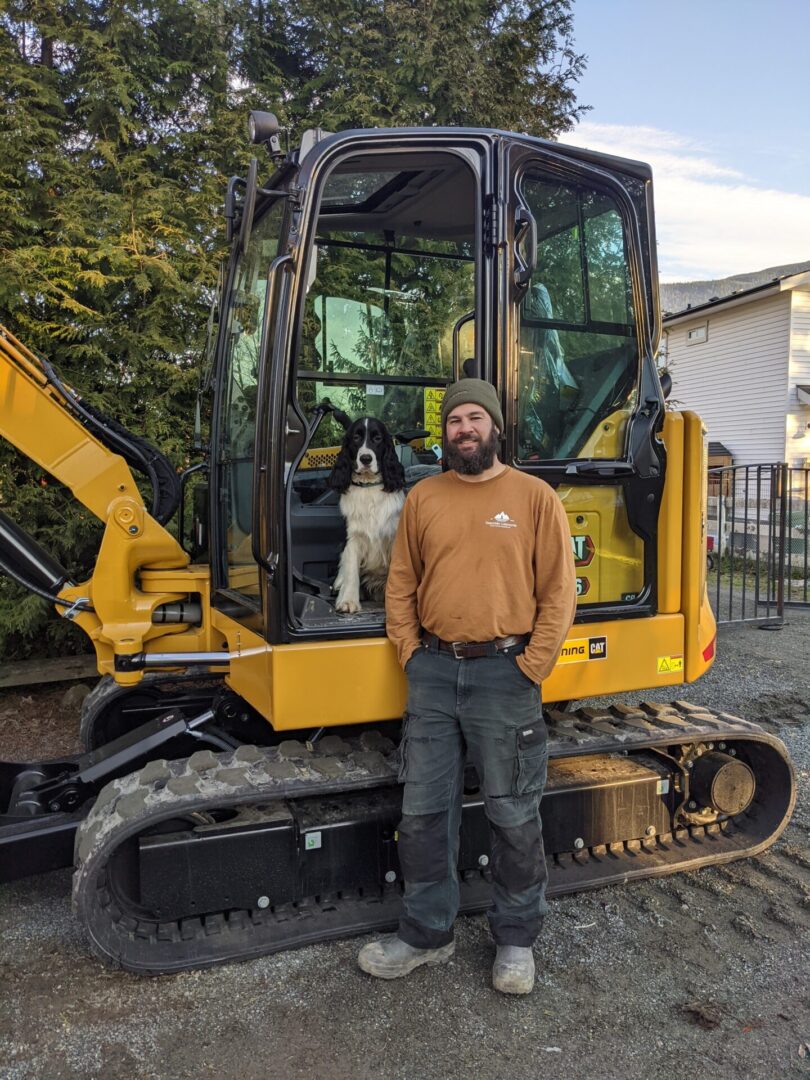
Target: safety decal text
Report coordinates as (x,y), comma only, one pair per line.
(433,396)
(589,648)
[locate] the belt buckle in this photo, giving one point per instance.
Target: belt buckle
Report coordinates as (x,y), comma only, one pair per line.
(455,645)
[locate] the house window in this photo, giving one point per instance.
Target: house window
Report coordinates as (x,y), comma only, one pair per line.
(698,334)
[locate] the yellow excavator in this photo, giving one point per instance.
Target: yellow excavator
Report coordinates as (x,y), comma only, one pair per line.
(237,793)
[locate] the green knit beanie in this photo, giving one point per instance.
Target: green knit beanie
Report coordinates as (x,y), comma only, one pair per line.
(473,392)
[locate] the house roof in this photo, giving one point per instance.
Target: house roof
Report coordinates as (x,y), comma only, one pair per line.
(717,448)
(741,296)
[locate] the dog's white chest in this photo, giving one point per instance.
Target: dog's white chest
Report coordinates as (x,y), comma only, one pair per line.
(371,512)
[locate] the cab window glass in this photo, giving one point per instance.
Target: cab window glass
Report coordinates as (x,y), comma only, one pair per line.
(379,328)
(237,435)
(578,360)
(608,279)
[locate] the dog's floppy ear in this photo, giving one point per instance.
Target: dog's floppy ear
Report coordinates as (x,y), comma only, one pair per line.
(393,475)
(341,475)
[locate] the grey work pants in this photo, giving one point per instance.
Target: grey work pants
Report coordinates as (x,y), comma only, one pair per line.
(488,710)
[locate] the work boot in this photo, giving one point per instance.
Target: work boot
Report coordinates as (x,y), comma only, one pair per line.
(390,957)
(513,970)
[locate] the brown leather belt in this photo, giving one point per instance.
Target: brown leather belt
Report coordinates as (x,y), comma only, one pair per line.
(471,650)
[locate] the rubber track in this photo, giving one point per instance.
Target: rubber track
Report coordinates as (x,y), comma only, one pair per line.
(207,781)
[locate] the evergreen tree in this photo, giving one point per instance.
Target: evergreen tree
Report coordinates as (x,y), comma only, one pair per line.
(116,141)
(506,64)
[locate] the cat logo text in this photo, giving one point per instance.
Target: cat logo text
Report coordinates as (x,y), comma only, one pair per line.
(594,648)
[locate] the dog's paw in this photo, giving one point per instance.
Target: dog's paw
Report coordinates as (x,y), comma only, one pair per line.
(348,605)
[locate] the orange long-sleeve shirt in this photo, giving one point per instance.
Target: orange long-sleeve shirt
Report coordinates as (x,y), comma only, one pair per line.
(483,559)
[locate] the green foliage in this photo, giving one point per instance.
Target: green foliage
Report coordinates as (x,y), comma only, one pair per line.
(367,63)
(117,133)
(120,125)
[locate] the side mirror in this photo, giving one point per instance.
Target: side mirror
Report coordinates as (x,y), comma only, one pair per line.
(666,383)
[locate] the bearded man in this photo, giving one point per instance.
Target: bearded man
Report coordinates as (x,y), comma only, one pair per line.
(481,594)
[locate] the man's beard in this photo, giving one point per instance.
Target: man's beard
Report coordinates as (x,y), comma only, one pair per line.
(482,458)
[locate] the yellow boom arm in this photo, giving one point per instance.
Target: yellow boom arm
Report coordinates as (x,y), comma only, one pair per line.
(36,418)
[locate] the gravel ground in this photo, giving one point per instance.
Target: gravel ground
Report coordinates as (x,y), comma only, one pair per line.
(705,972)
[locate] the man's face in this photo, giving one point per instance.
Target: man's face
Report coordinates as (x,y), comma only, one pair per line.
(472,440)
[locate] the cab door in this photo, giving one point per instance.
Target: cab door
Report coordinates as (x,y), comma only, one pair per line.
(584,403)
(254,318)
(393,298)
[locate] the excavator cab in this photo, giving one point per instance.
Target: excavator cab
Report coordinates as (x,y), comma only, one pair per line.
(238,792)
(379,266)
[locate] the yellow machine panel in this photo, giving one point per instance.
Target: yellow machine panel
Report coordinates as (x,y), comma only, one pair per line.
(670,518)
(700,621)
(609,557)
(328,683)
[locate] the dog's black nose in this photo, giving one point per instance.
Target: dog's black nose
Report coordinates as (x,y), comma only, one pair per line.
(365,459)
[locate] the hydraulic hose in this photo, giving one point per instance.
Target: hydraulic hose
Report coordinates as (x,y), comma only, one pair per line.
(136,451)
(25,562)
(52,598)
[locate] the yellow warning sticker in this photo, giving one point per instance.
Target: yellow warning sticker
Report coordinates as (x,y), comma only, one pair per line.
(433,396)
(667,664)
(434,393)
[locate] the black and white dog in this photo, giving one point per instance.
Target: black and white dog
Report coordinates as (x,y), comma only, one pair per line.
(371,482)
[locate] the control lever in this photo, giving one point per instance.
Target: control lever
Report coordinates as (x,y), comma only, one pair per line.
(326,406)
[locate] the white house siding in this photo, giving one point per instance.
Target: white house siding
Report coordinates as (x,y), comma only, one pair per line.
(798,416)
(737,379)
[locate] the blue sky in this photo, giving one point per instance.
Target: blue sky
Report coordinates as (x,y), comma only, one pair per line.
(715,95)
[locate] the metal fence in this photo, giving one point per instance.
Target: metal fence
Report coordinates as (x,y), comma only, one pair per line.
(758,530)
(797,536)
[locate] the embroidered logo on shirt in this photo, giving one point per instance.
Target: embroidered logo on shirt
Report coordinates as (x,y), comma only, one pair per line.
(502,521)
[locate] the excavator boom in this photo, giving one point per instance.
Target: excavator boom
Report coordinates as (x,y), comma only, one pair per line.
(48,422)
